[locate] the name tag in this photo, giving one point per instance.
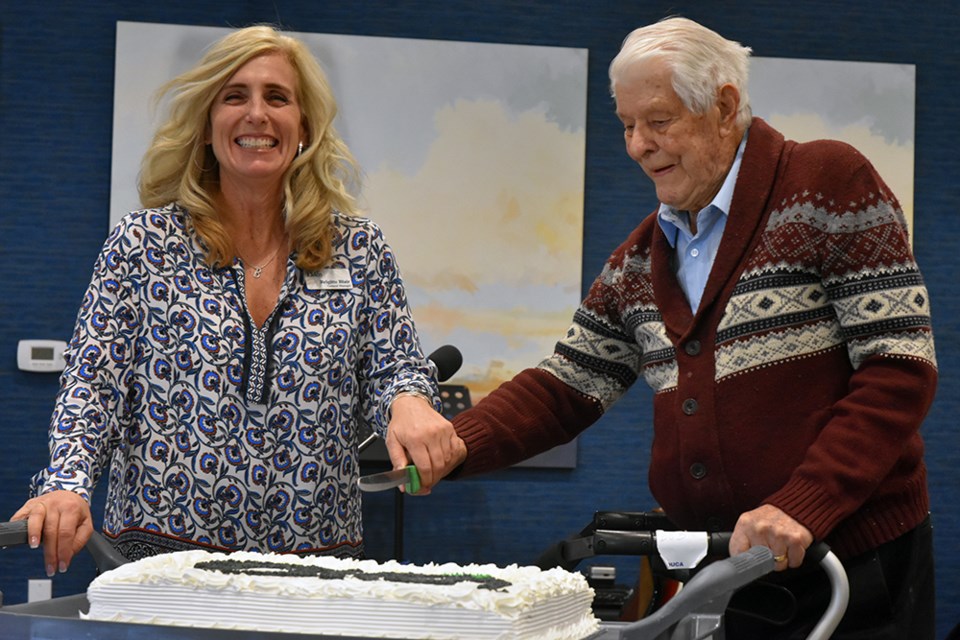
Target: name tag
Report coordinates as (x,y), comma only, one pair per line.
(338,279)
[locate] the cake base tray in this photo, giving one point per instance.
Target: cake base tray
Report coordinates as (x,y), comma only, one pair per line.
(59,619)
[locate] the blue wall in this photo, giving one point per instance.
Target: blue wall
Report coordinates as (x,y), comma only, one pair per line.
(56,96)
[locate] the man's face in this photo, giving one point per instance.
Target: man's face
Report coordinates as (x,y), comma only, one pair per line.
(687,155)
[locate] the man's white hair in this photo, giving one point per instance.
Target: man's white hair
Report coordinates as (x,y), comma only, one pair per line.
(701,61)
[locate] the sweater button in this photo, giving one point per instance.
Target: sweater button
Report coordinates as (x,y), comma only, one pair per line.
(698,470)
(692,348)
(690,406)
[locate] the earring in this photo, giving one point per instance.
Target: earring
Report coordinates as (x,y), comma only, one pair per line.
(299,149)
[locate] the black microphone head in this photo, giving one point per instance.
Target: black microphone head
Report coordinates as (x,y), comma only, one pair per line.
(448,360)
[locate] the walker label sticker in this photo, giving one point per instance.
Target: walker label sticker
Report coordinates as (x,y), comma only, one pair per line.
(682,549)
(338,279)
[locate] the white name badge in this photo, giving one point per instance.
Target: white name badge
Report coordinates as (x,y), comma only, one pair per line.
(338,279)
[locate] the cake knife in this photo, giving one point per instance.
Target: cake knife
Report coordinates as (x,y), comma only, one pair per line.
(409,477)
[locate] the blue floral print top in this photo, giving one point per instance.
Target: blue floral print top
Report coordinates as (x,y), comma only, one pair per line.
(218,433)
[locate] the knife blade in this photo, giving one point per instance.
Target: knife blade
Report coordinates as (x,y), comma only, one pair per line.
(409,477)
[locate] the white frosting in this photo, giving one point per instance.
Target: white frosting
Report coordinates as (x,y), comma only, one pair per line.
(169,590)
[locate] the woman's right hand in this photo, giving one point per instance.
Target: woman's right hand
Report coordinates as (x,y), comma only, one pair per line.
(62,521)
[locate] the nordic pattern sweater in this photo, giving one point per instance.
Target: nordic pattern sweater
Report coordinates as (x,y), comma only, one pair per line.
(801,381)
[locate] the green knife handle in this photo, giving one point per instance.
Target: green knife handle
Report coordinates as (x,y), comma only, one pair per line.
(413,483)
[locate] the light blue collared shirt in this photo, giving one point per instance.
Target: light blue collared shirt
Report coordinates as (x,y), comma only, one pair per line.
(695,253)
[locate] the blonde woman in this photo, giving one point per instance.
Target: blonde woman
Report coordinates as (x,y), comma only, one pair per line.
(236,332)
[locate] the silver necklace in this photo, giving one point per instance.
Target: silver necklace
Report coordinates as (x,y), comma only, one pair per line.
(258,271)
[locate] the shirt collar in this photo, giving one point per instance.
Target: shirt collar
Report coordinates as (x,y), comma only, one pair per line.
(672,221)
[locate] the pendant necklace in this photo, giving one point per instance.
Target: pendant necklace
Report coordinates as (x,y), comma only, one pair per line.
(257,271)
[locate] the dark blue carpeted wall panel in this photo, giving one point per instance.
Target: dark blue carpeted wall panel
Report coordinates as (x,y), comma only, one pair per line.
(56,96)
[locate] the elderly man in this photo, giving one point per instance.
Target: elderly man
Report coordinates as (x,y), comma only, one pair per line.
(773,304)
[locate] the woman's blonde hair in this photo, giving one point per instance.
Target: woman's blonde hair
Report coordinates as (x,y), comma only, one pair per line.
(180,167)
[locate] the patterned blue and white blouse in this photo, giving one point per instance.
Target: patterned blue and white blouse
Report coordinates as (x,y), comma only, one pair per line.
(218,433)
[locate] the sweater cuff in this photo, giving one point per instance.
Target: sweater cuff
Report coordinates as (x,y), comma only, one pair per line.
(481,445)
(809,505)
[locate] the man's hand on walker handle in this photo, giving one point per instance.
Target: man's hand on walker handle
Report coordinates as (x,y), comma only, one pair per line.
(772,528)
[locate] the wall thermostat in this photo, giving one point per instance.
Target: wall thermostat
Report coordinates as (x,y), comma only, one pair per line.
(41,355)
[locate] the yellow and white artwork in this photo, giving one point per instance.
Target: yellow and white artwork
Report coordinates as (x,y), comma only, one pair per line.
(473,159)
(869,105)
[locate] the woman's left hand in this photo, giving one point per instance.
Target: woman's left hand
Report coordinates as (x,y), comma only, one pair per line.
(419,435)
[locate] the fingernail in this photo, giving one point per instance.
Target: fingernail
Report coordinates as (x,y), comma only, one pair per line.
(50,571)
(34,542)
(63,567)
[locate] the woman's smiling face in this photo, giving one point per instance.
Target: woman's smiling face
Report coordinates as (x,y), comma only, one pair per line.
(256,122)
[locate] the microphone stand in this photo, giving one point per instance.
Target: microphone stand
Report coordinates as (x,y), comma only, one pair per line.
(398,525)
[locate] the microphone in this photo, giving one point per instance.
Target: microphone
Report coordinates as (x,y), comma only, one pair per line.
(448,360)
